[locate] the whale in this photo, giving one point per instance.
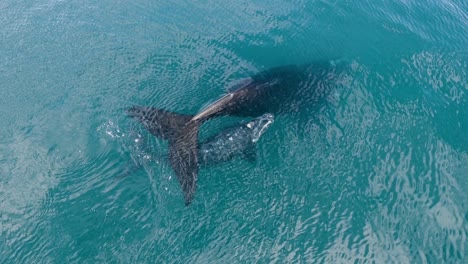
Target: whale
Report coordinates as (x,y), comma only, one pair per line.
(234,141)
(277,90)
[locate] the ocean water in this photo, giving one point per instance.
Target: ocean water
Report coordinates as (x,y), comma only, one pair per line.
(375,173)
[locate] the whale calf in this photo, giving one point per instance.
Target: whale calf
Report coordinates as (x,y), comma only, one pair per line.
(273,91)
(234,141)
(231,142)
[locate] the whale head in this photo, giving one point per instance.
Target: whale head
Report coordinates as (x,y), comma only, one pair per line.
(259,125)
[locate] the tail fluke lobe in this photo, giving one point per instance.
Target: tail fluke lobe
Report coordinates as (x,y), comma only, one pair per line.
(182,134)
(183,156)
(159,122)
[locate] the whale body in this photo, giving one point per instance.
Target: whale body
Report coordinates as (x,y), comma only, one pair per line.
(239,140)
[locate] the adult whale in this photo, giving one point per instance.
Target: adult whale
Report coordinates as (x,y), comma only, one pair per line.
(277,90)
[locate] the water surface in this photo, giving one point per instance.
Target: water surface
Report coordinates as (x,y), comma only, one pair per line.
(376,174)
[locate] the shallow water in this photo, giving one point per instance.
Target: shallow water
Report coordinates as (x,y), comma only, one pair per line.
(376,173)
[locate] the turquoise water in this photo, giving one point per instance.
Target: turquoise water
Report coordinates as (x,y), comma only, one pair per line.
(376,174)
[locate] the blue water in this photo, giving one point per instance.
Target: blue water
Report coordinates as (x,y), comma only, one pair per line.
(377,174)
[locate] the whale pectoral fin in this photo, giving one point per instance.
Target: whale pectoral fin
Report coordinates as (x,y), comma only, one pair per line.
(250,154)
(159,122)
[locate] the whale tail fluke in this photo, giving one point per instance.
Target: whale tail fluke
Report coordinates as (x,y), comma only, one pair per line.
(182,133)
(161,123)
(183,157)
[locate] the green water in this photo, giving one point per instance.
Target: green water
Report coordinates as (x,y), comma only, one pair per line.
(376,174)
